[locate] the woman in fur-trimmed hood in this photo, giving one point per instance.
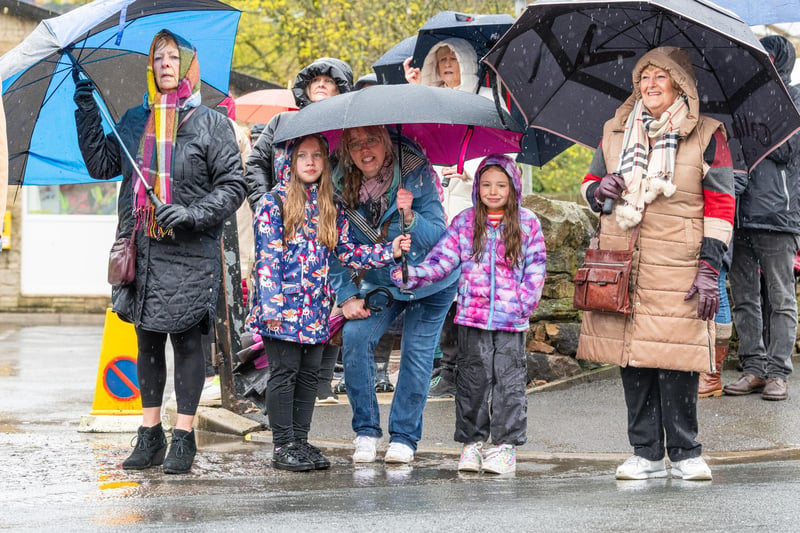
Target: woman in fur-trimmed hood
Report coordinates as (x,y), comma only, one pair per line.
(668,170)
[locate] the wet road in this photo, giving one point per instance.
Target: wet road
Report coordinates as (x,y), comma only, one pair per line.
(54,478)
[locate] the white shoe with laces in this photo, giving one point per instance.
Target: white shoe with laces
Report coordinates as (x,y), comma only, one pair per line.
(399,453)
(471,458)
(636,467)
(366,449)
(693,469)
(501,460)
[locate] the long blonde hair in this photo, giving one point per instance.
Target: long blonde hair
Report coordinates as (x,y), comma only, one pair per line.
(294,218)
(512,235)
(352,176)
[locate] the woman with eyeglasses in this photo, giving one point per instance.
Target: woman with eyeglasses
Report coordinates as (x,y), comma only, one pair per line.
(387,186)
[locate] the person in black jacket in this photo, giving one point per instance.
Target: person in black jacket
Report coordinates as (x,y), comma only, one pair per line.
(766,239)
(321,79)
(189,156)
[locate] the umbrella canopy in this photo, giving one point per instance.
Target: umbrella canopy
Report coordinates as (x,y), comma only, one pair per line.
(450,126)
(763,11)
(260,106)
(110,40)
(389,67)
(481,31)
(568,64)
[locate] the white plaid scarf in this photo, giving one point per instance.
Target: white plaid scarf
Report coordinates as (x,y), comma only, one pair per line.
(648,173)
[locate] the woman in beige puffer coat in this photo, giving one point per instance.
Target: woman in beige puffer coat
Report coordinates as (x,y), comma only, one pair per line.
(668,169)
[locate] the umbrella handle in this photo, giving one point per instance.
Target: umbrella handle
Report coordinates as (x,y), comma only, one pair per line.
(76,75)
(608,206)
(404,259)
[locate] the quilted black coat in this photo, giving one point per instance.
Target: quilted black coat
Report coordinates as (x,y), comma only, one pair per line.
(177,279)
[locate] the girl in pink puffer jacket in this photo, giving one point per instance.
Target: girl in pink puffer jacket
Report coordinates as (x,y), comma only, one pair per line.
(499,247)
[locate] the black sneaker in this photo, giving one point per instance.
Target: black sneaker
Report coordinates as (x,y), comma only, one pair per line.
(441,388)
(340,387)
(382,383)
(314,455)
(149,449)
(291,457)
(181,453)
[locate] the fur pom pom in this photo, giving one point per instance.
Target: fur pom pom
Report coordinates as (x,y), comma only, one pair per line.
(627,216)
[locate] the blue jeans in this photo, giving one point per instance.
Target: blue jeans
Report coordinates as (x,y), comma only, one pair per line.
(771,253)
(723,316)
(423,322)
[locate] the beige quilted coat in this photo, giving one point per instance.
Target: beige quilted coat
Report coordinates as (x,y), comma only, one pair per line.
(663,331)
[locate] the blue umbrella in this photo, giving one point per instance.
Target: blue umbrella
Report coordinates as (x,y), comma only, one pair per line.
(389,67)
(110,41)
(763,12)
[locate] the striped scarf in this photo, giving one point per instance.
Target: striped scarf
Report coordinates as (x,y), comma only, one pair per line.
(647,177)
(154,157)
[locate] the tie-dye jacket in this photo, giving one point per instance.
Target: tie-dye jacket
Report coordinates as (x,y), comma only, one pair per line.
(290,279)
(491,295)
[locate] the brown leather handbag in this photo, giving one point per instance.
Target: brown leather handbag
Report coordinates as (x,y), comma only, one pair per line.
(122,261)
(602,283)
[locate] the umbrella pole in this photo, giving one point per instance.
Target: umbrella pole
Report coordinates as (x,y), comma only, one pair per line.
(151,195)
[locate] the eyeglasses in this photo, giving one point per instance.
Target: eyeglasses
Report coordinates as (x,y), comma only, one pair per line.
(369,142)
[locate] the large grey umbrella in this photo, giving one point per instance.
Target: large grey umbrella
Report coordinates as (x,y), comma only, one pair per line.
(568,64)
(451,126)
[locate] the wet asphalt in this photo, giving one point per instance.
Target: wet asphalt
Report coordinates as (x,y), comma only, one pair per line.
(55,478)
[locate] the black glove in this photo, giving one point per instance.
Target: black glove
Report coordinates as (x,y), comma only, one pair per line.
(83,94)
(610,188)
(706,285)
(171,216)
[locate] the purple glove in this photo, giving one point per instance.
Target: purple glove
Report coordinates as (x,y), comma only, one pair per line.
(610,188)
(705,285)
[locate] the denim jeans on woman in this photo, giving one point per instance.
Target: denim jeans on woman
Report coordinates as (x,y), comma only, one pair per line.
(423,322)
(770,252)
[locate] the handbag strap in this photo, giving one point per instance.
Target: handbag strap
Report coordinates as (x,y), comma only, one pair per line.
(594,243)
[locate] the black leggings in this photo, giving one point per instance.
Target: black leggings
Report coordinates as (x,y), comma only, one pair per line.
(292,388)
(189,372)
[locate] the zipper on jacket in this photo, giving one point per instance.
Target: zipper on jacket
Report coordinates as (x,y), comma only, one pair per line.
(492,247)
(785,188)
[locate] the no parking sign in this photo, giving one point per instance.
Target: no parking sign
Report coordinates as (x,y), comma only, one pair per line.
(120,379)
(117,388)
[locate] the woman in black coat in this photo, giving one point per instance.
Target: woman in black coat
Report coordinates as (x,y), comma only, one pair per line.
(188,154)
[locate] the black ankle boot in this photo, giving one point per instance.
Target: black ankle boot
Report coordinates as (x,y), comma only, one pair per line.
(314,455)
(181,454)
(149,449)
(291,457)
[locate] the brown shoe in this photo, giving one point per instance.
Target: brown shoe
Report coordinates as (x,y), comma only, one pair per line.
(747,384)
(776,389)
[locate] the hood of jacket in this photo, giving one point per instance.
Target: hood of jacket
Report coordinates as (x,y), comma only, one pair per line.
(328,66)
(508,165)
(467,61)
(676,61)
(783,54)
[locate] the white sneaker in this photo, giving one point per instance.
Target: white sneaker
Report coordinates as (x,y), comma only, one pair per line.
(693,469)
(211,391)
(636,467)
(501,460)
(398,453)
(471,457)
(366,449)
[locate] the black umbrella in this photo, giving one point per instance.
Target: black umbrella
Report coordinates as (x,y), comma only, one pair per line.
(568,64)
(451,126)
(389,67)
(481,31)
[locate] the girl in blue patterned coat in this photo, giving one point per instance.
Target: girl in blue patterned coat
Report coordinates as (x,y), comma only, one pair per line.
(500,248)
(297,227)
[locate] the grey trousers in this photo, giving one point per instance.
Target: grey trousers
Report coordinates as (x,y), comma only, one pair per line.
(491,376)
(771,253)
